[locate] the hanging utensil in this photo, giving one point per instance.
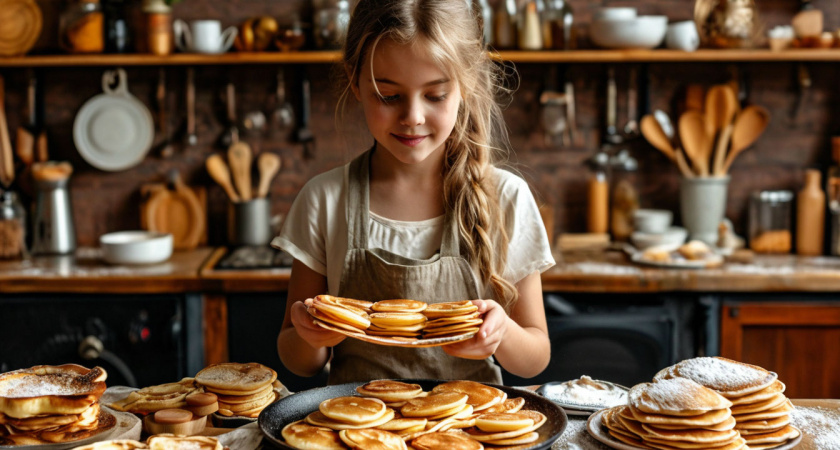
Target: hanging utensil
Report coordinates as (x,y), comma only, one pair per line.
(304,134)
(696,140)
(631,128)
(239,160)
(191,138)
(230,135)
(611,132)
(283,116)
(268,165)
(219,172)
(749,125)
(165,148)
(25,138)
(7,169)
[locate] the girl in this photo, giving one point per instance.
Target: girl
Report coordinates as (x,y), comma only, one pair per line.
(423,214)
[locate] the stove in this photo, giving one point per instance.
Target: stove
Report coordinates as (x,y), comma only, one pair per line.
(251,257)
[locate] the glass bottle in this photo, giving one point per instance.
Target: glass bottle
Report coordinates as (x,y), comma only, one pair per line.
(810,216)
(82,27)
(117,33)
(331,18)
(559,25)
(504,25)
(12,226)
(530,27)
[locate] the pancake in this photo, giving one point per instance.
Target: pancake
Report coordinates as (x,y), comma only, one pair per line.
(235,399)
(396,319)
(479,395)
(449,441)
(736,444)
(42,390)
(399,423)
(154,398)
(353,410)
(481,436)
(676,397)
(235,378)
(168,441)
(725,376)
(308,437)
(390,390)
(710,418)
(460,332)
(763,405)
(363,305)
(762,426)
(695,435)
(776,388)
(779,411)
(458,412)
(319,419)
(447,309)
(116,444)
(728,424)
(399,305)
(467,323)
(491,422)
(321,317)
(344,314)
(510,405)
(433,404)
(443,321)
(777,437)
(519,440)
(372,439)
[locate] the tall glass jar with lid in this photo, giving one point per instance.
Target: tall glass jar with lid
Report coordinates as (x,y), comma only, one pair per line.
(81,27)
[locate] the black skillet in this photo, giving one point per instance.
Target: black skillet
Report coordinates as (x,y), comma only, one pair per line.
(297,406)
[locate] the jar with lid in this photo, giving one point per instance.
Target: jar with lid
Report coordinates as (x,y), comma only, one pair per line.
(330,20)
(158,27)
(81,27)
(12,226)
(770,221)
(117,33)
(558,30)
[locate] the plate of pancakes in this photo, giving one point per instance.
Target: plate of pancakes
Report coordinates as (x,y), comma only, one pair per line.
(425,414)
(397,322)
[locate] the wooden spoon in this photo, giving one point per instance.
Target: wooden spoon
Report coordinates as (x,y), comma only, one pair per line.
(239,159)
(721,107)
(268,164)
(653,132)
(749,125)
(7,167)
(218,170)
(696,142)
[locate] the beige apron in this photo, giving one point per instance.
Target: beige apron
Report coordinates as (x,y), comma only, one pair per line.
(376,274)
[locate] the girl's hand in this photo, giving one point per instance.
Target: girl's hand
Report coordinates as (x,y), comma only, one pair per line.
(309,331)
(489,335)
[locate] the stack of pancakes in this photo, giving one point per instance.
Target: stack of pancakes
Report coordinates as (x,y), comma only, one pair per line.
(451,319)
(456,415)
(674,414)
(163,441)
(155,398)
(399,318)
(242,389)
(346,314)
(760,409)
(51,404)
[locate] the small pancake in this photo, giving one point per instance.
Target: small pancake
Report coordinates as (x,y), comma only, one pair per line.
(308,437)
(397,328)
(676,397)
(390,390)
(777,437)
(372,439)
(442,321)
(404,423)
(353,410)
(496,422)
(519,440)
(351,316)
(449,441)
(776,388)
(710,418)
(40,390)
(725,376)
(510,405)
(319,316)
(481,436)
(447,309)
(461,332)
(349,303)
(167,441)
(433,404)
(459,412)
(696,435)
(319,419)
(781,410)
(736,444)
(479,395)
(728,424)
(762,425)
(396,319)
(763,405)
(237,378)
(399,305)
(262,393)
(115,444)
(468,323)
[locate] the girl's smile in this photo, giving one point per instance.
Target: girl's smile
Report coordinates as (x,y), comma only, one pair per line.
(409,140)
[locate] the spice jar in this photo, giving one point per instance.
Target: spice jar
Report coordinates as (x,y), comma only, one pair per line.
(12,227)
(82,27)
(159,40)
(770,221)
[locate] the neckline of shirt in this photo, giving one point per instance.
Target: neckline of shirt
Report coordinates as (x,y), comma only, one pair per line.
(402,223)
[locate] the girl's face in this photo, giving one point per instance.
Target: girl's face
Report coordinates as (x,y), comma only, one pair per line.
(416,107)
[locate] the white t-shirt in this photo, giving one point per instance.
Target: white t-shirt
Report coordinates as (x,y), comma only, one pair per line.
(315,229)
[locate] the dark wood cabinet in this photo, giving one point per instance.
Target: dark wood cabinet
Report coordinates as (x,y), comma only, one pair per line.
(797,340)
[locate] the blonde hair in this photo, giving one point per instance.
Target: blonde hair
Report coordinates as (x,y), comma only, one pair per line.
(478,141)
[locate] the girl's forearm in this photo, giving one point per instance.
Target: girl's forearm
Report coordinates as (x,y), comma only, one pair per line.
(298,356)
(524,352)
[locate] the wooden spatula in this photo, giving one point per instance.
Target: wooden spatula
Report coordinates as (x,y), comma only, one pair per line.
(749,125)
(268,165)
(218,170)
(239,159)
(721,107)
(696,141)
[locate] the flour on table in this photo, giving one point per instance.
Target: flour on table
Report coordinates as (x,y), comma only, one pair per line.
(822,425)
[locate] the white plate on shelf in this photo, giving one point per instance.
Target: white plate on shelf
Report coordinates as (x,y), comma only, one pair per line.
(113,131)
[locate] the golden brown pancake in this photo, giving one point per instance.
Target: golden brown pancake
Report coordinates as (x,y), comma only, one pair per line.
(497,422)
(443,321)
(696,435)
(399,305)
(351,316)
(781,410)
(390,390)
(467,323)
(736,444)
(42,390)
(777,437)
(235,378)
(776,388)
(399,423)
(433,404)
(319,419)
(762,426)
(458,412)
(116,444)
(363,305)
(763,405)
(510,405)
(446,309)
(728,424)
(396,319)
(710,418)
(172,442)
(154,398)
(372,439)
(481,436)
(675,397)
(448,441)
(353,410)
(308,437)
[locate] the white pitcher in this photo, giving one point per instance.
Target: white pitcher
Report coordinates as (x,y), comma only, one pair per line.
(203,36)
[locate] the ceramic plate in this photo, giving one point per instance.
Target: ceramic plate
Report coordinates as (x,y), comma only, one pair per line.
(101,434)
(599,432)
(572,407)
(396,341)
(297,406)
(710,262)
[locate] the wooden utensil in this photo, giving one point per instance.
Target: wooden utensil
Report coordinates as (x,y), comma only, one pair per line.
(239,159)
(177,210)
(7,168)
(218,170)
(654,134)
(721,107)
(749,125)
(695,140)
(268,165)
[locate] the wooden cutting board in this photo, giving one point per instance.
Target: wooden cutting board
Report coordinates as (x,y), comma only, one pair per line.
(182,212)
(20,26)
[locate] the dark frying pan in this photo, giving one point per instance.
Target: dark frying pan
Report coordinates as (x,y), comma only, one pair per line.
(297,406)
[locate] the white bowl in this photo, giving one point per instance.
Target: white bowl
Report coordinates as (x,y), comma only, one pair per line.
(641,32)
(652,220)
(672,238)
(615,13)
(136,247)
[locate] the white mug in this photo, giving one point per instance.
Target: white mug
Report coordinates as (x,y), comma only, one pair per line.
(203,36)
(682,36)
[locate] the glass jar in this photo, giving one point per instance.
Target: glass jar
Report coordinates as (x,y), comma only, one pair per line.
(117,34)
(12,227)
(770,221)
(728,23)
(292,38)
(558,22)
(159,40)
(331,18)
(82,27)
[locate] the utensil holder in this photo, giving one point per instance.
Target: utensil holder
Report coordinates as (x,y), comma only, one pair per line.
(703,204)
(249,223)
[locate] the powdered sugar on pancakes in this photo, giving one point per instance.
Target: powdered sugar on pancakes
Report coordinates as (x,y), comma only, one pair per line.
(727,377)
(38,385)
(676,396)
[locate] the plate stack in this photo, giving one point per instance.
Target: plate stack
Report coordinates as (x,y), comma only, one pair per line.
(242,389)
(760,408)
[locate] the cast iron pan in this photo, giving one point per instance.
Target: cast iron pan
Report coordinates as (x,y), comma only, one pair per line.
(297,406)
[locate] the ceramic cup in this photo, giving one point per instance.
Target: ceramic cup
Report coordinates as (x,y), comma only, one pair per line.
(249,223)
(203,36)
(703,205)
(682,36)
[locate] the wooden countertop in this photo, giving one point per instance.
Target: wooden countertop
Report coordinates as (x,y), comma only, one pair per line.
(578,271)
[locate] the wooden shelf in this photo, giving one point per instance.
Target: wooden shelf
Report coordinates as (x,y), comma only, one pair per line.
(329,57)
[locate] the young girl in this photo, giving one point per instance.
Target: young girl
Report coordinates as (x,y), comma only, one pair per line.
(423,214)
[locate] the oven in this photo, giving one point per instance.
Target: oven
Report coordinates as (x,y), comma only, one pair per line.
(140,340)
